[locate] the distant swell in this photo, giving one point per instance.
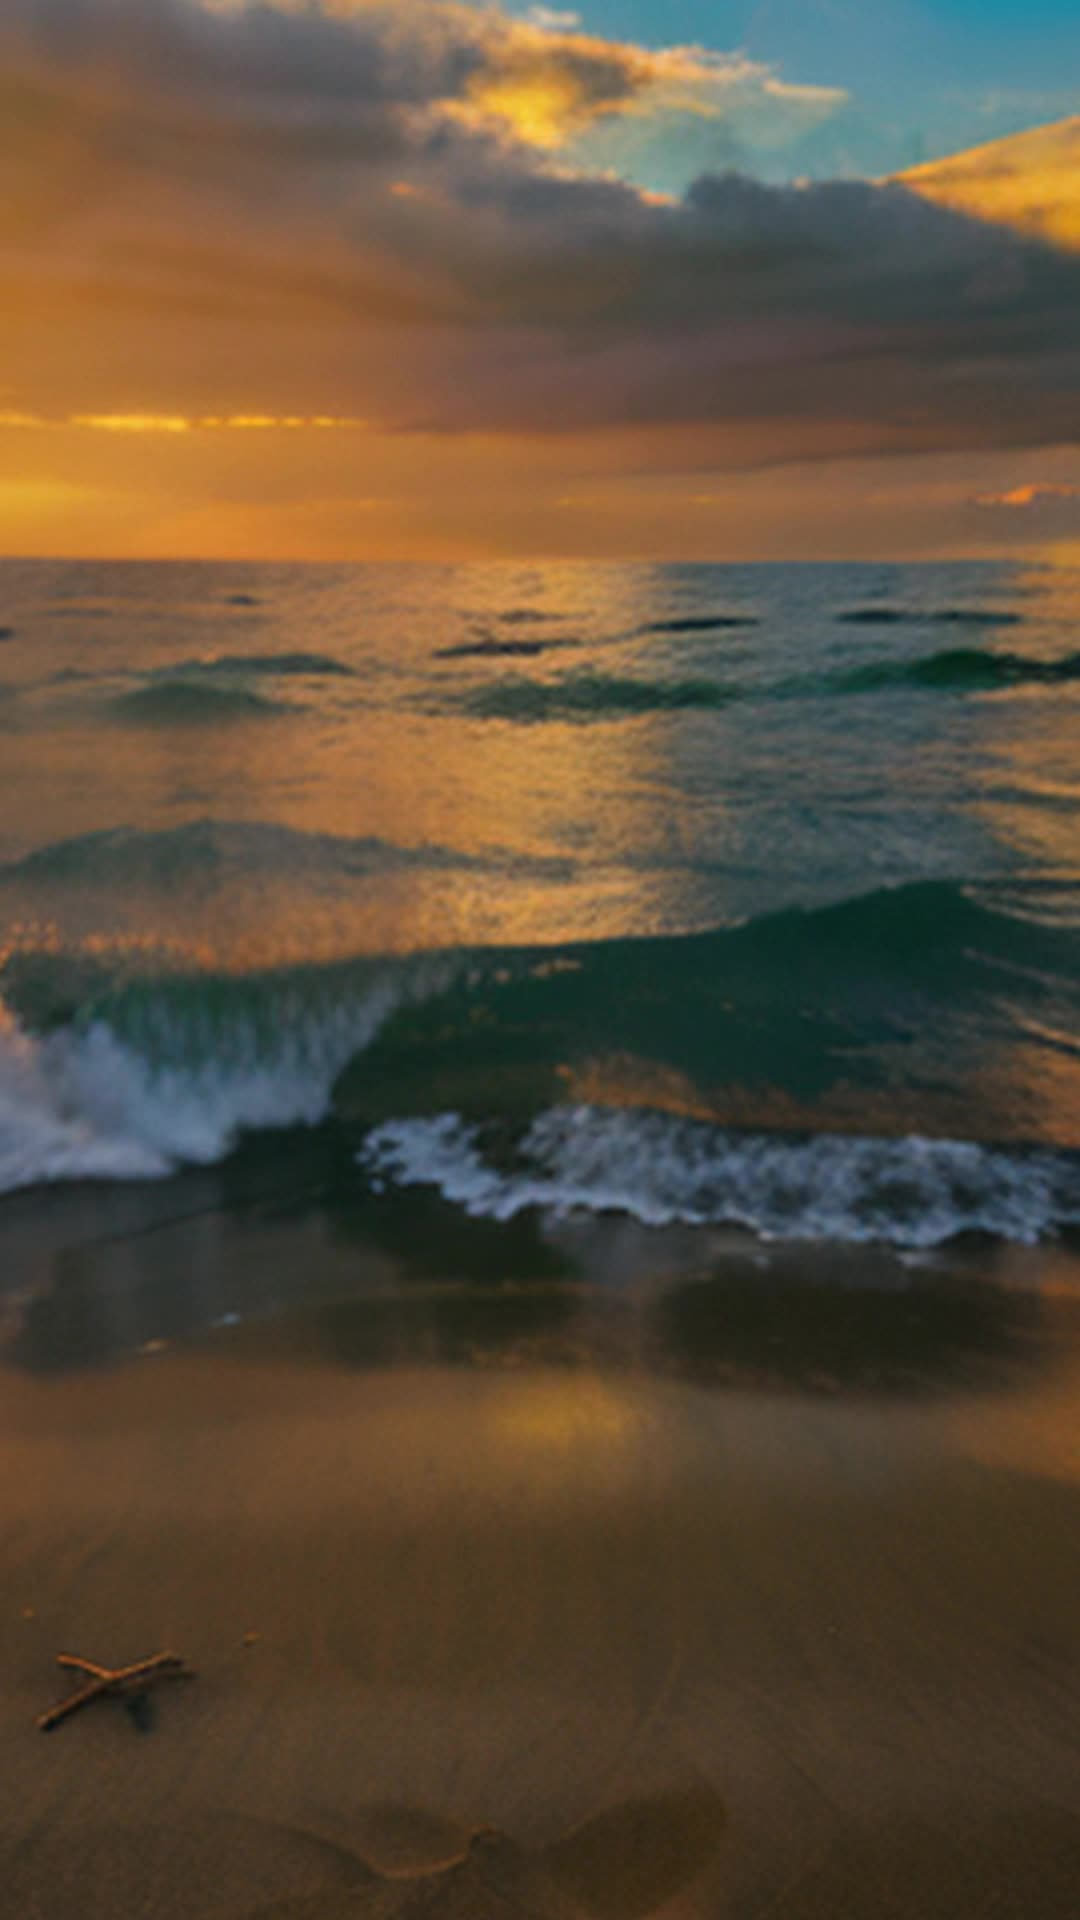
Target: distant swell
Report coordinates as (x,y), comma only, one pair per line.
(490,649)
(702,623)
(231,851)
(888,616)
(167,703)
(588,696)
(270,664)
(661,1170)
(591,696)
(958,669)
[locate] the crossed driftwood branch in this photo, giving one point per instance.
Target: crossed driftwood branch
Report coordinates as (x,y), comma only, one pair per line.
(112,1682)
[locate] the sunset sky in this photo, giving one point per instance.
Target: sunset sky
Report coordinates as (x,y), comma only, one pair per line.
(423,279)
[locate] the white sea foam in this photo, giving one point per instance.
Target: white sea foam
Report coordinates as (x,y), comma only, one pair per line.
(44,1136)
(83,1103)
(910,1192)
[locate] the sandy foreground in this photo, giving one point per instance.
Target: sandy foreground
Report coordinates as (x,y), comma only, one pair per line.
(690,1649)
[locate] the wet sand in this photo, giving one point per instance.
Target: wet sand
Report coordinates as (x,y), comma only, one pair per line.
(792,1654)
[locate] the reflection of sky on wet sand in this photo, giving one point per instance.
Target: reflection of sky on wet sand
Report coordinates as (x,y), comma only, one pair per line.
(344,1281)
(980,1353)
(528,1599)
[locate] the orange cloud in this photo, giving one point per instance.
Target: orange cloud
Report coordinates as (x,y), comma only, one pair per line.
(355,228)
(1030,182)
(1034,495)
(1043,512)
(548,83)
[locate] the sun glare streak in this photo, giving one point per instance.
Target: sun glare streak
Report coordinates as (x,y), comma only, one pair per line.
(175,424)
(132,422)
(43,495)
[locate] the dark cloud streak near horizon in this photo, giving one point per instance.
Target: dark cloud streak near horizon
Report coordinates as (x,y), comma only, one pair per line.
(211,190)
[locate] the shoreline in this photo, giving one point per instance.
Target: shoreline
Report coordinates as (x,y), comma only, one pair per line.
(95,1274)
(791,1649)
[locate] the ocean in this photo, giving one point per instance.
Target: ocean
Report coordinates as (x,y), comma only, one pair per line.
(540,1148)
(726,897)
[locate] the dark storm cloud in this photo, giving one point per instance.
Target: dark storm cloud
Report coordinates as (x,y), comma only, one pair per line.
(309,205)
(257,54)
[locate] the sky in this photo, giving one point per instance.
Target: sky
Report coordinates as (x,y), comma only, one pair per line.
(348,279)
(921,78)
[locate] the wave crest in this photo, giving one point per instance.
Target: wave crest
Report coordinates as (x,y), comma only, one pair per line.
(591,696)
(662,1170)
(162,1075)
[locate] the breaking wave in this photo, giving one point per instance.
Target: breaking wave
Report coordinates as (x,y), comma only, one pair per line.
(470,1070)
(662,1170)
(164,1074)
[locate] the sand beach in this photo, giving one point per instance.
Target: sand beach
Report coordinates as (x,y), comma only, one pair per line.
(694,1636)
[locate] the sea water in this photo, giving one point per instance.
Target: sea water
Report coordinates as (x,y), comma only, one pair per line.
(740,894)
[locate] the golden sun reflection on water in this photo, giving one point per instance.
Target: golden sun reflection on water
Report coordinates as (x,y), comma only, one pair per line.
(1028,792)
(448,830)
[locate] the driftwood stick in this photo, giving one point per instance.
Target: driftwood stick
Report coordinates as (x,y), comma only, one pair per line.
(89,1667)
(112,1681)
(157,1663)
(92,1691)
